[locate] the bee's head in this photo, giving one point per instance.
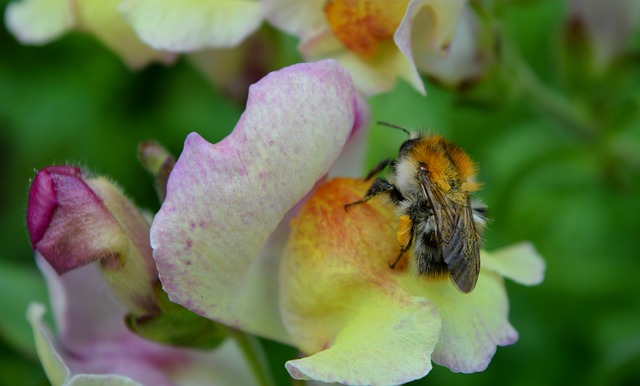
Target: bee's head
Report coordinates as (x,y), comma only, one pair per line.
(445,164)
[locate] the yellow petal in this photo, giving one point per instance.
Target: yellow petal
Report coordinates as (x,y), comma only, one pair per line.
(519,262)
(387,341)
(333,259)
(38,21)
(103,19)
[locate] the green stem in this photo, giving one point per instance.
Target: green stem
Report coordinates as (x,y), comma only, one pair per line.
(253,353)
(541,96)
(552,103)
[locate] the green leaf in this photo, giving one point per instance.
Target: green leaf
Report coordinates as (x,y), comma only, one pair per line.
(19,285)
(177,326)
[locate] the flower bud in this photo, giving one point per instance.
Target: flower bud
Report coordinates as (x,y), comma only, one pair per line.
(74,220)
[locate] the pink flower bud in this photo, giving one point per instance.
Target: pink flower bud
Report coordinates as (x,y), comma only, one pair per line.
(74,220)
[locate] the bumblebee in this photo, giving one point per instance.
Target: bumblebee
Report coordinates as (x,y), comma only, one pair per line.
(430,185)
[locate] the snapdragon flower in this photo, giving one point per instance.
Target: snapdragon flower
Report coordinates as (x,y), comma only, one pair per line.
(251,236)
(377,41)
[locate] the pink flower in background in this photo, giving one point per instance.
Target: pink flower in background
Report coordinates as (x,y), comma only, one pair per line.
(93,345)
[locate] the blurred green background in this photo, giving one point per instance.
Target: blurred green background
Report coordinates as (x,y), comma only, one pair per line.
(574,194)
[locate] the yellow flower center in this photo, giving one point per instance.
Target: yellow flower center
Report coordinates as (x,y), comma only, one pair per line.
(363,25)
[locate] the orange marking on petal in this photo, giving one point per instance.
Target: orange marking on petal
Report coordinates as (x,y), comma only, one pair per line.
(362,25)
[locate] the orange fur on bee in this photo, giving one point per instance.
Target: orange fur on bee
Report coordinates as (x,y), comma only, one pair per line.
(445,161)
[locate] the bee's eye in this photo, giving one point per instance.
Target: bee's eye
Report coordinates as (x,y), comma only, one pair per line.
(452,182)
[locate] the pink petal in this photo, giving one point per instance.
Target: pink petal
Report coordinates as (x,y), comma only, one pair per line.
(224,200)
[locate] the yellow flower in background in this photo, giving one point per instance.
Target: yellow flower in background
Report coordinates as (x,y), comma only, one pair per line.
(190,25)
(37,22)
(378,41)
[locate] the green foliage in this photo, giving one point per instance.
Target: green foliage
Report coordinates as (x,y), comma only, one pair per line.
(177,326)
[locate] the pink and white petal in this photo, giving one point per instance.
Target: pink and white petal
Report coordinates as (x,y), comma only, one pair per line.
(428,27)
(519,262)
(472,324)
(102,19)
(84,309)
(85,369)
(38,21)
(52,362)
(350,163)
(190,25)
(385,341)
(224,200)
(93,336)
(299,18)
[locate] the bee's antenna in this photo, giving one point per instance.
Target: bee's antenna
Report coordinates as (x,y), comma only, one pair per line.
(383,123)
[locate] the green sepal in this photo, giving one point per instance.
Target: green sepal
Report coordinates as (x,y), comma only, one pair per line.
(177,326)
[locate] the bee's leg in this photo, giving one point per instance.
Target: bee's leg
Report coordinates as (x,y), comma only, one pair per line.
(378,168)
(393,265)
(379,186)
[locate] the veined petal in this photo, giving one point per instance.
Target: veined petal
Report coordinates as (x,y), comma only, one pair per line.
(189,25)
(300,18)
(38,21)
(385,342)
(224,200)
(428,26)
(519,262)
(473,324)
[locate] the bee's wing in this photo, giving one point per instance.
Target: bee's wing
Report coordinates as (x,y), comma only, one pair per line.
(458,238)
